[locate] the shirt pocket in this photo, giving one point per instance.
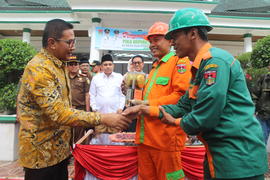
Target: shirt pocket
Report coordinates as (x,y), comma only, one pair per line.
(78,84)
(163,81)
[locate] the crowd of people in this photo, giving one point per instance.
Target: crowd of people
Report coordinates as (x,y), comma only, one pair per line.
(196,90)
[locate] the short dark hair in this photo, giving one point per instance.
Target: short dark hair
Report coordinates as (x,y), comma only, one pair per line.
(202,31)
(97,62)
(139,56)
(54,29)
(106,30)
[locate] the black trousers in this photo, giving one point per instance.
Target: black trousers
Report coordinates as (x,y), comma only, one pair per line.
(55,172)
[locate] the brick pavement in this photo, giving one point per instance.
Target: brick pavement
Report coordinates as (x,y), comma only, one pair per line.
(12,171)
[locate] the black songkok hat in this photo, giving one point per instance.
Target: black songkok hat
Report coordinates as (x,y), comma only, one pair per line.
(106,57)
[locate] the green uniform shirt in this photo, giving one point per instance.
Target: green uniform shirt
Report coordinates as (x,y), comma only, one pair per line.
(80,85)
(219,109)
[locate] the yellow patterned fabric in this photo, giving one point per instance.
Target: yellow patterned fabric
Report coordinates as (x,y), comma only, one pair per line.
(45,113)
(105,129)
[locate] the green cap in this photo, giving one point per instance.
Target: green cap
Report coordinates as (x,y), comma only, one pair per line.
(187,17)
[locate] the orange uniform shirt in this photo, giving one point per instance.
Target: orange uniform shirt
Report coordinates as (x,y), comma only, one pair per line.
(166,83)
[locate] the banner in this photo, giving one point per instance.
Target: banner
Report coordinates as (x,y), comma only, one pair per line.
(120,39)
(112,162)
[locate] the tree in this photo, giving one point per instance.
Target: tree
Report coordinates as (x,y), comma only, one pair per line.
(14,55)
(252,70)
(245,60)
(260,56)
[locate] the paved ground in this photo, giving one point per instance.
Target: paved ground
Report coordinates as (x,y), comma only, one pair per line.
(12,171)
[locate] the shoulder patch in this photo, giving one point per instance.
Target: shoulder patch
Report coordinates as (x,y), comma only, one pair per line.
(210,77)
(181,68)
(210,66)
(87,81)
(80,79)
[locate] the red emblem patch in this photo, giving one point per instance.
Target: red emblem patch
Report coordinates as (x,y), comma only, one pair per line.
(181,68)
(210,77)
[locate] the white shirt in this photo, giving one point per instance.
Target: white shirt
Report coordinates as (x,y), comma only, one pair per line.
(105,93)
(106,42)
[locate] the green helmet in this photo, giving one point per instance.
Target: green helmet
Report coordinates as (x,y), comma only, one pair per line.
(187,17)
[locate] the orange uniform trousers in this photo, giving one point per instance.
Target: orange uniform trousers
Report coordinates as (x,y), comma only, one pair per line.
(155,164)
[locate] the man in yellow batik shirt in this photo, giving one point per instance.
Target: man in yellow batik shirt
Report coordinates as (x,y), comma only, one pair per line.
(44,108)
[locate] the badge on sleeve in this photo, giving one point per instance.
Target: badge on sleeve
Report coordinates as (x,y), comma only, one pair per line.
(210,66)
(87,81)
(210,77)
(181,68)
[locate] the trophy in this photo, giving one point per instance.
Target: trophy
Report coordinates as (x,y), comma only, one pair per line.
(134,83)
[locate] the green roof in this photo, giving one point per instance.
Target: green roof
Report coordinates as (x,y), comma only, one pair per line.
(252,8)
(51,5)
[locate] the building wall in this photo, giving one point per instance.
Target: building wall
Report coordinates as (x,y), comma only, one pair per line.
(9,141)
(234,47)
(83,45)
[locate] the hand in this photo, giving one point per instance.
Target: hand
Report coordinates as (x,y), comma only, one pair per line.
(167,118)
(132,112)
(119,111)
(138,102)
(115,120)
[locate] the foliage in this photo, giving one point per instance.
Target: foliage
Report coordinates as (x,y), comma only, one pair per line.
(245,60)
(8,96)
(255,63)
(256,72)
(252,73)
(14,55)
(260,56)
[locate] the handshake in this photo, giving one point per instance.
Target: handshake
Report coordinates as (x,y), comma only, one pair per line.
(122,119)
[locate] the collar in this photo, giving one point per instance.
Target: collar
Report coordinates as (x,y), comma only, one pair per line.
(48,55)
(77,75)
(203,54)
(104,75)
(165,58)
(139,72)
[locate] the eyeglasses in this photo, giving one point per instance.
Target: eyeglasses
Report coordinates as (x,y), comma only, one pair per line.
(70,42)
(139,63)
(72,64)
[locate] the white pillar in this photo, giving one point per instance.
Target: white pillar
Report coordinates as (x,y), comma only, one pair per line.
(26,35)
(94,53)
(247,42)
